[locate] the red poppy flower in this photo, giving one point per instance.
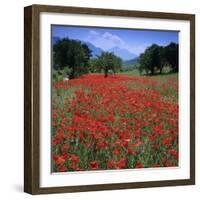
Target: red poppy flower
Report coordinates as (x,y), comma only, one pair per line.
(111,164)
(74,158)
(60,133)
(62,168)
(166,142)
(139,165)
(121,164)
(59,160)
(173,153)
(114,120)
(94,165)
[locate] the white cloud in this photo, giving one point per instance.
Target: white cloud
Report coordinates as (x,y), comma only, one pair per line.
(113,38)
(92,32)
(105,40)
(108,40)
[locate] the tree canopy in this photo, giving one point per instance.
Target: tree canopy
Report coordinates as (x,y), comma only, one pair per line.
(72,54)
(171,54)
(108,61)
(156,57)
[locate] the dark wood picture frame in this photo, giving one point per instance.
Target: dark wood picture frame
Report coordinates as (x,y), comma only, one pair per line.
(32,96)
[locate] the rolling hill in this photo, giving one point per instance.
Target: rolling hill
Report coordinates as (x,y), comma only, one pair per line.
(131,63)
(124,54)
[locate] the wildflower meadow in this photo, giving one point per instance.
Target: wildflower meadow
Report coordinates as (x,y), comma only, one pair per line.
(119,122)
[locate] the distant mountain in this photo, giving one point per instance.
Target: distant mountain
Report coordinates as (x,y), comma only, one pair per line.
(131,63)
(124,54)
(96,51)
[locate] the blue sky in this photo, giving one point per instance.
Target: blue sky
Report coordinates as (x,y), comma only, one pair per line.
(133,40)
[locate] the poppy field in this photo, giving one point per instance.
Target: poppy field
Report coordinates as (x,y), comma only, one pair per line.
(119,122)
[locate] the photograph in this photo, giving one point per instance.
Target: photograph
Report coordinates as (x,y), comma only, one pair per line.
(109,99)
(114,98)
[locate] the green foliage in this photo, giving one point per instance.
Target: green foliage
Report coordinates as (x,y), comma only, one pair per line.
(108,62)
(61,74)
(171,54)
(150,59)
(92,67)
(71,53)
(144,62)
(57,76)
(156,57)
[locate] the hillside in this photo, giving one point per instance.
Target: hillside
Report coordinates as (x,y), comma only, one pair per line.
(124,54)
(131,63)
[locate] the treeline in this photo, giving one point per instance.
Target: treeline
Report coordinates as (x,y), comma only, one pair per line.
(73,58)
(156,57)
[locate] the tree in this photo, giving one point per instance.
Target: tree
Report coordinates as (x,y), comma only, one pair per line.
(156,57)
(93,66)
(71,53)
(162,59)
(144,62)
(171,54)
(151,60)
(108,61)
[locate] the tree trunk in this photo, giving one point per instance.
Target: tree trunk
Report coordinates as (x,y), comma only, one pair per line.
(106,73)
(152,72)
(161,70)
(71,76)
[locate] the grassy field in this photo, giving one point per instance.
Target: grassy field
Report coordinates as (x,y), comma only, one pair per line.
(119,122)
(134,72)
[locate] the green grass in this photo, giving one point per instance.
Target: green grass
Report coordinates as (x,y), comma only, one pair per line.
(133,72)
(60,95)
(167,79)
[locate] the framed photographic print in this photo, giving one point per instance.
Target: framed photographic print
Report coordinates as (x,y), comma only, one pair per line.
(109,99)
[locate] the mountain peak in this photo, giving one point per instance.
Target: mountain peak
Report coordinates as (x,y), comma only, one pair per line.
(124,54)
(96,51)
